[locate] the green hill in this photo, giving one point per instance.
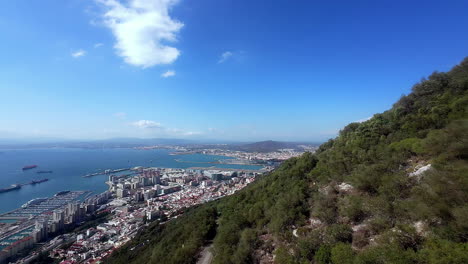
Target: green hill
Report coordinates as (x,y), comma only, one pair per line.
(393,189)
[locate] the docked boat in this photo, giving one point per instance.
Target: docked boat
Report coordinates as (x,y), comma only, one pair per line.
(61,193)
(34,202)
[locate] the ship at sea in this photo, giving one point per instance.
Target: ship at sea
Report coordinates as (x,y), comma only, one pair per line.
(11,188)
(38,181)
(28,167)
(44,171)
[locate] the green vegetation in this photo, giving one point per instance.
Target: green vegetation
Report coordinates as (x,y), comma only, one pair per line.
(385,216)
(177,241)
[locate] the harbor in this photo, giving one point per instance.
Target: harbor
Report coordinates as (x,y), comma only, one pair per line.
(44,215)
(70,165)
(46,205)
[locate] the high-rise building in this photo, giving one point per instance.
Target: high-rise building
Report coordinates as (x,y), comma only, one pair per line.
(40,230)
(156,179)
(138,196)
(121,193)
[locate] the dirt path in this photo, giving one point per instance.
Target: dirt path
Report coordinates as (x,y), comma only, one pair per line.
(206,256)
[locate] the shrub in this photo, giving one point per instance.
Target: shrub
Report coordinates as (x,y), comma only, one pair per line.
(338,233)
(342,254)
(438,251)
(323,255)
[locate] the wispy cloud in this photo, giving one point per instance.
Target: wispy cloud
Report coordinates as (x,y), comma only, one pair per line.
(121,115)
(142,30)
(78,53)
(225,56)
(97,45)
(192,133)
(157,129)
(146,124)
(169,73)
(181,132)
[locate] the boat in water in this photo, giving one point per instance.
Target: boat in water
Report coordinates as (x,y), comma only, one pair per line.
(11,188)
(28,167)
(44,171)
(39,181)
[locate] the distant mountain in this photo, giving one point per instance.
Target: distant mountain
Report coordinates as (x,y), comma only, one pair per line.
(263,146)
(92,144)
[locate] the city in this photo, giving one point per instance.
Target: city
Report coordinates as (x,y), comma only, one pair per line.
(130,203)
(233,132)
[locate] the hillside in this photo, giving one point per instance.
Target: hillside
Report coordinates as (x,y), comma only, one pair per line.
(393,189)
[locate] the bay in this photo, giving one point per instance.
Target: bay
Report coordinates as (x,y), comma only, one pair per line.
(69,165)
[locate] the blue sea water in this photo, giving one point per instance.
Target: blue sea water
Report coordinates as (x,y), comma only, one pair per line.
(69,165)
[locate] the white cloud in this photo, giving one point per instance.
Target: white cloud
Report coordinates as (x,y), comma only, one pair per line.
(192,133)
(152,128)
(169,73)
(225,56)
(142,29)
(181,132)
(78,53)
(121,115)
(97,45)
(145,124)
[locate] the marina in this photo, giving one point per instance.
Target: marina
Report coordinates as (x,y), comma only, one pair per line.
(44,205)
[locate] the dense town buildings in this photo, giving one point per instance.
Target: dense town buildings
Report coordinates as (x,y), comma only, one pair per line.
(131,202)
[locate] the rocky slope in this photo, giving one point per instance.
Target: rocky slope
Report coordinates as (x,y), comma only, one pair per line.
(393,189)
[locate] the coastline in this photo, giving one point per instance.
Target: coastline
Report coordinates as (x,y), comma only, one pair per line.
(70,164)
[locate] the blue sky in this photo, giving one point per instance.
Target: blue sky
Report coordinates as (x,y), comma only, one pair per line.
(215,69)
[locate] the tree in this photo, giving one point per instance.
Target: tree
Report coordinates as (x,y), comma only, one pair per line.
(342,254)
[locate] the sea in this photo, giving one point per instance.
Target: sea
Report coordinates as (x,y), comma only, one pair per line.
(70,164)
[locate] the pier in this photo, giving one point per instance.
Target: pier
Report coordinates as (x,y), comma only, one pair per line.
(105,172)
